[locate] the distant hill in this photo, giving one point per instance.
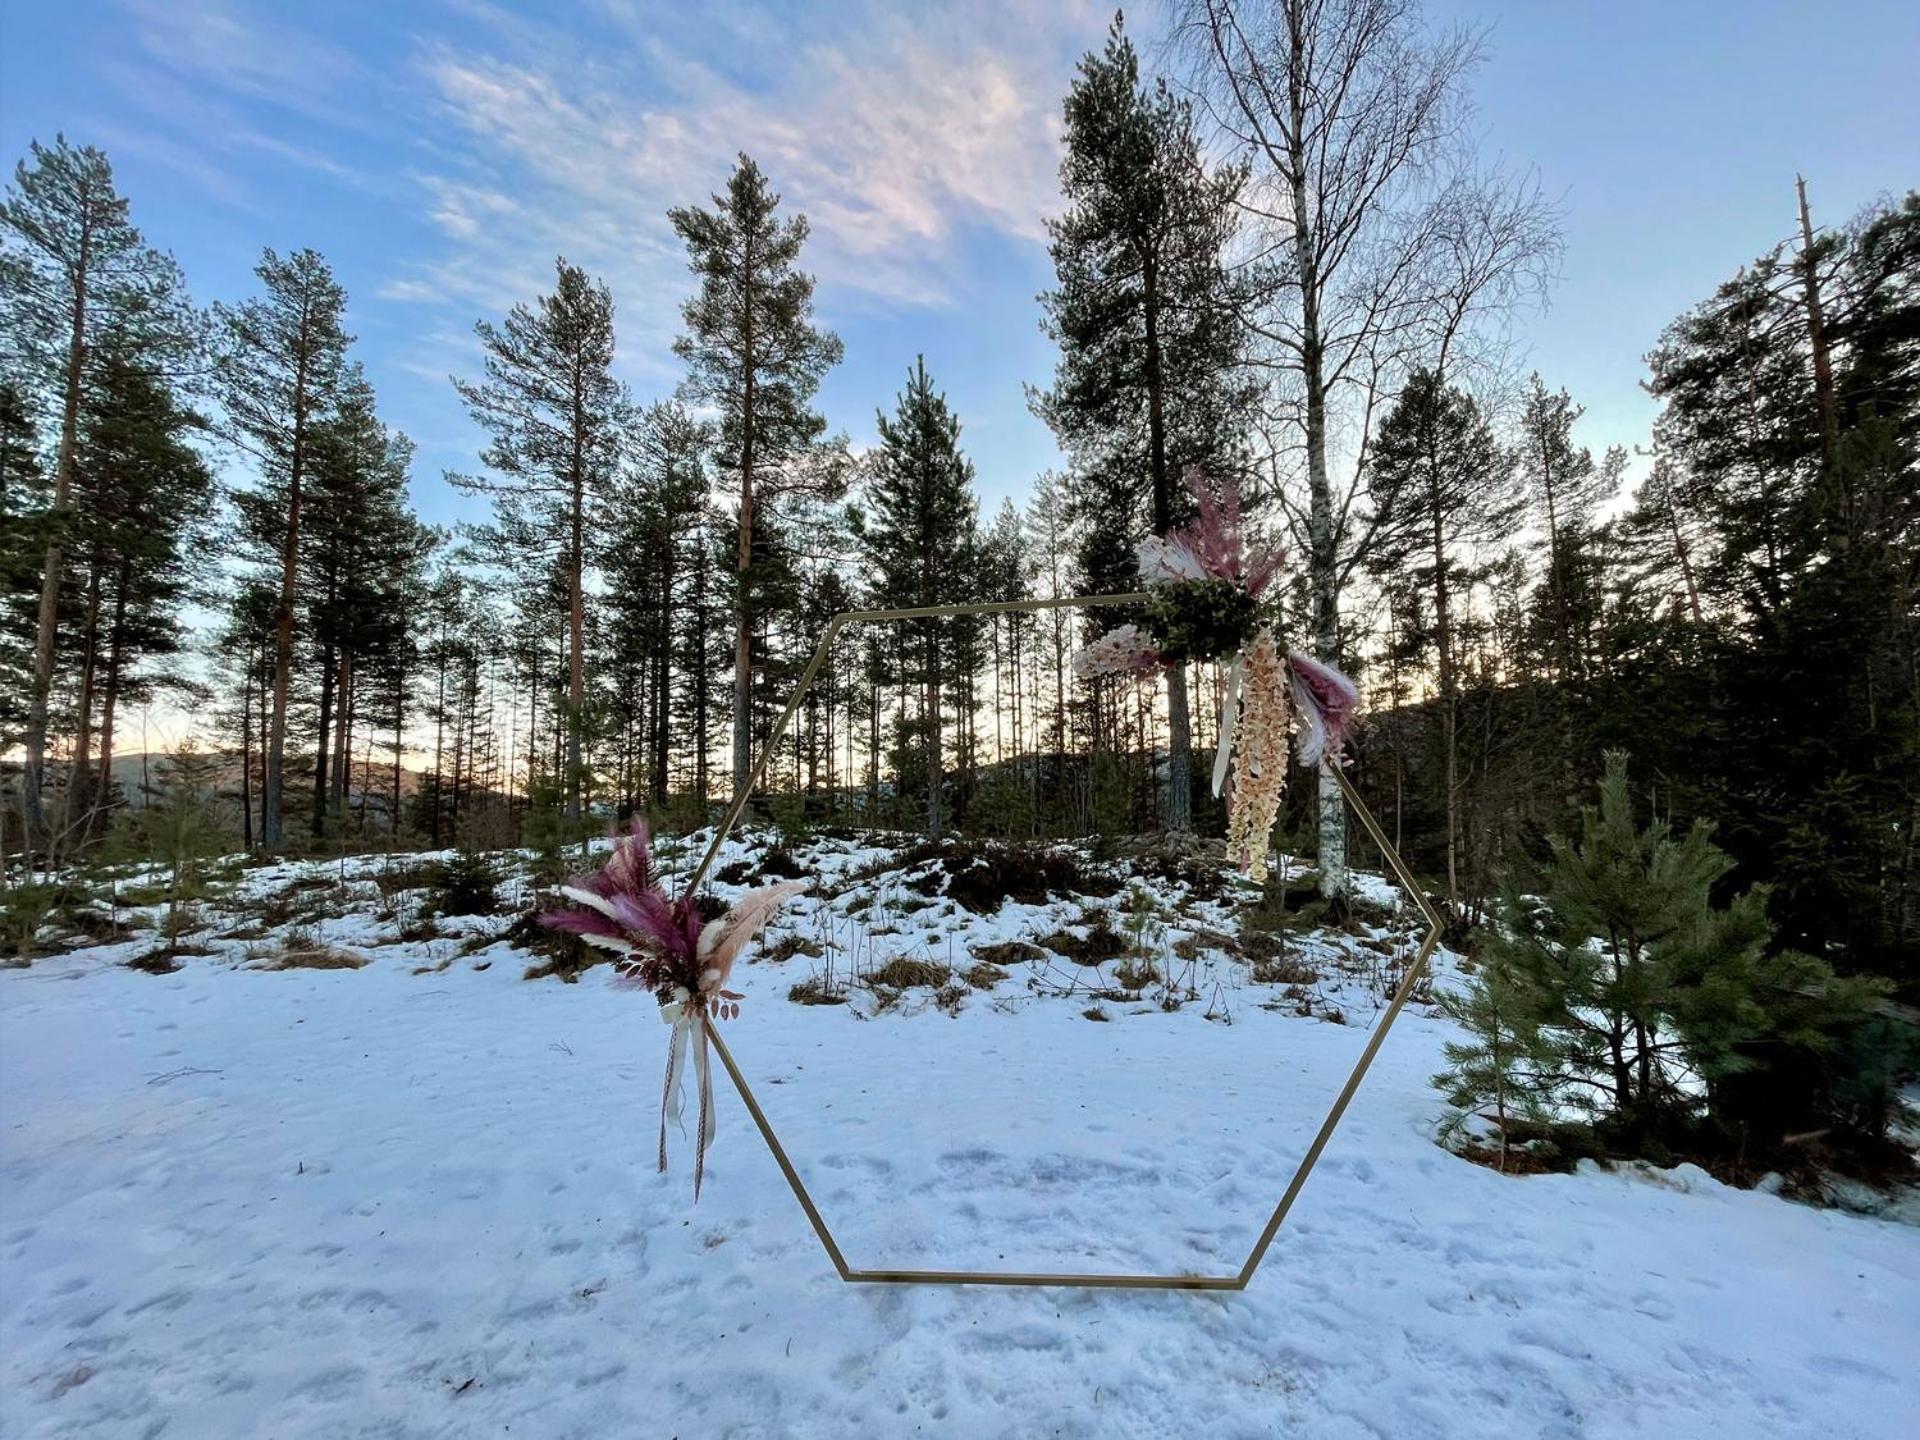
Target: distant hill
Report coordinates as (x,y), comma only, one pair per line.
(133,772)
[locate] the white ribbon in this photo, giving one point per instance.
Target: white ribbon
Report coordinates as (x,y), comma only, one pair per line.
(1229,717)
(688,1017)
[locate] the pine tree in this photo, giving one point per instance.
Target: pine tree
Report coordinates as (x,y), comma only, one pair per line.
(281,368)
(176,827)
(1503,1072)
(144,505)
(1440,483)
(920,539)
(241,653)
(364,554)
(23,519)
(457,652)
(1006,574)
(1809,572)
(1151,381)
(648,518)
(1564,485)
(701,651)
(395,664)
(1665,532)
(755,356)
(554,416)
(73,269)
(1643,989)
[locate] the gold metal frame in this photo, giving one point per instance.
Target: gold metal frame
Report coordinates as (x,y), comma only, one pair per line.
(1236,1281)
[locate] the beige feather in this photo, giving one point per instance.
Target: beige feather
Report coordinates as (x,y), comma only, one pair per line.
(740,924)
(590,901)
(608,942)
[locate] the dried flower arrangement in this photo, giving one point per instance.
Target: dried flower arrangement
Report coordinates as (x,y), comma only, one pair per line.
(665,948)
(1206,604)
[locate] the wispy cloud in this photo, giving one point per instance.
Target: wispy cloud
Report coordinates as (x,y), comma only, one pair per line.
(221,85)
(191,162)
(253,54)
(919,141)
(896,139)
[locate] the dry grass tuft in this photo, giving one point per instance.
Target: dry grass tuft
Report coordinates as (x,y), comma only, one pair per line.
(301,954)
(1100,943)
(788,946)
(1200,942)
(814,991)
(1282,970)
(1008,952)
(985,975)
(901,973)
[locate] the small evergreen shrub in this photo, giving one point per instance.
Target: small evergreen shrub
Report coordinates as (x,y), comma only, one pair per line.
(1100,944)
(466,884)
(1625,995)
(779,864)
(26,909)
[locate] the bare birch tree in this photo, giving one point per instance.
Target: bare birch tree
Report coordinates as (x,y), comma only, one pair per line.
(1381,249)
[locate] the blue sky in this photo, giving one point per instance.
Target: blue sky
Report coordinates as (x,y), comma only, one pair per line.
(441,152)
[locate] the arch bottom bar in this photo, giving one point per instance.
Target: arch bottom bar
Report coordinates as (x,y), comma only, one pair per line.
(994,1277)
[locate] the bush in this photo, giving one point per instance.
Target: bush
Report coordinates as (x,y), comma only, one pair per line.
(304,950)
(983,876)
(467,884)
(546,830)
(789,810)
(779,864)
(1627,993)
(565,956)
(1868,1069)
(1100,944)
(984,975)
(1003,806)
(27,908)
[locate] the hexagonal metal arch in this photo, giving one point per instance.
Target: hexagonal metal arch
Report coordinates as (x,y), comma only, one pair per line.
(1236,1281)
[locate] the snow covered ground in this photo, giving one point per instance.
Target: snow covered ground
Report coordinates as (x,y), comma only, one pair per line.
(415,1200)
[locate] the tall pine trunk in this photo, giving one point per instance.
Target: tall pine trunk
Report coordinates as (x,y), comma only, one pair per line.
(342,739)
(271,827)
(46,628)
(439,742)
(322,739)
(662,734)
(246,756)
(936,761)
(1449,699)
(1179,727)
(576,630)
(399,725)
(743,617)
(79,798)
(110,693)
(1817,328)
(257,678)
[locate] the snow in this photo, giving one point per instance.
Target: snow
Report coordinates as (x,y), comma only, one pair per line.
(376,1202)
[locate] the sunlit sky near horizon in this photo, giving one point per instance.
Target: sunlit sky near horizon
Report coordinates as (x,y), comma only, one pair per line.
(440,153)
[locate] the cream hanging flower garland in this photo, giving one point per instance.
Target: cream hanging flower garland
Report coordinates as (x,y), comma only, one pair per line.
(1205,604)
